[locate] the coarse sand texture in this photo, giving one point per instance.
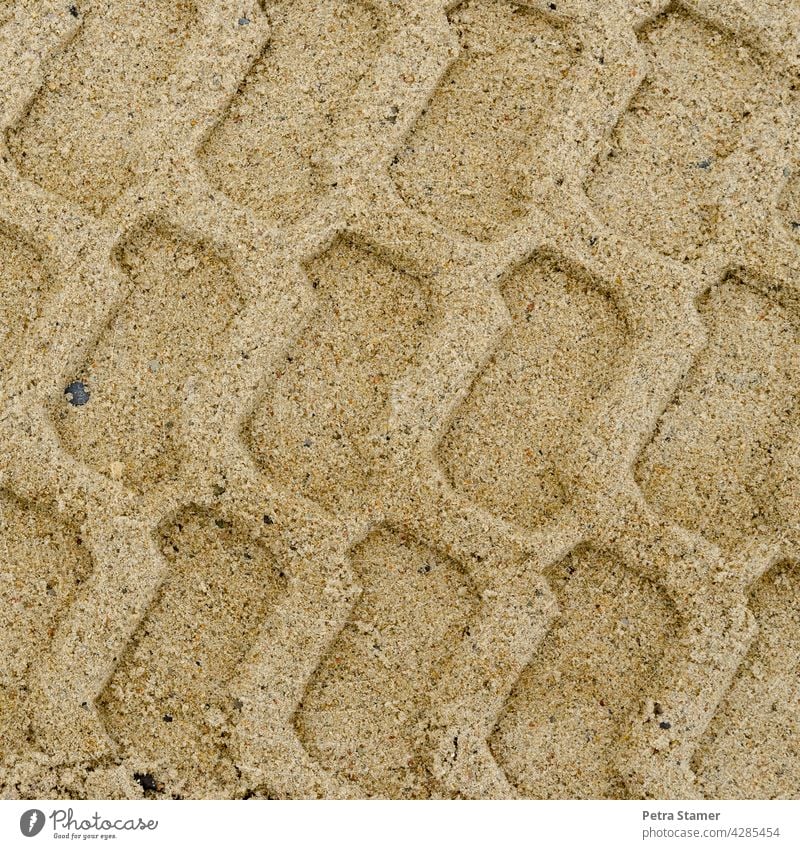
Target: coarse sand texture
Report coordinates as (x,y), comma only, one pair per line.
(400,399)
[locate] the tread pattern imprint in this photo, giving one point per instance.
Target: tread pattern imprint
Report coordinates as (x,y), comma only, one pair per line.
(431,415)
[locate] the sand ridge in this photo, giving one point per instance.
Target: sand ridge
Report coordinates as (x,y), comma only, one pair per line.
(430,428)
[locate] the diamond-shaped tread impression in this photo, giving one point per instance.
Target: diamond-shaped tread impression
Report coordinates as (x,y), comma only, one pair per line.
(752,747)
(493,101)
(171,686)
(261,153)
(358,712)
(659,176)
(41,564)
(78,137)
(558,734)
(331,391)
(710,464)
(506,442)
(135,384)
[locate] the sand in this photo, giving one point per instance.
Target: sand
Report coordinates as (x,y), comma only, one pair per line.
(400,399)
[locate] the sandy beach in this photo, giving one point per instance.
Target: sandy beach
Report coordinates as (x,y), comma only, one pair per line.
(400,399)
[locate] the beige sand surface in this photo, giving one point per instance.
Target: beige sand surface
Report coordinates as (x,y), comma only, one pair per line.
(400,399)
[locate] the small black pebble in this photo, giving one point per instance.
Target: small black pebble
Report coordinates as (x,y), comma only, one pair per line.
(665,725)
(705,164)
(167,718)
(73,10)
(243,22)
(268,520)
(146,780)
(552,6)
(76,394)
(423,570)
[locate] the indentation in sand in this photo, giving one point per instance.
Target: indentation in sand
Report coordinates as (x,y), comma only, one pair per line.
(752,747)
(659,177)
(464,162)
(331,393)
(710,464)
(560,355)
(207,615)
(24,284)
(181,302)
(79,138)
(558,734)
(42,562)
(262,152)
(356,713)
